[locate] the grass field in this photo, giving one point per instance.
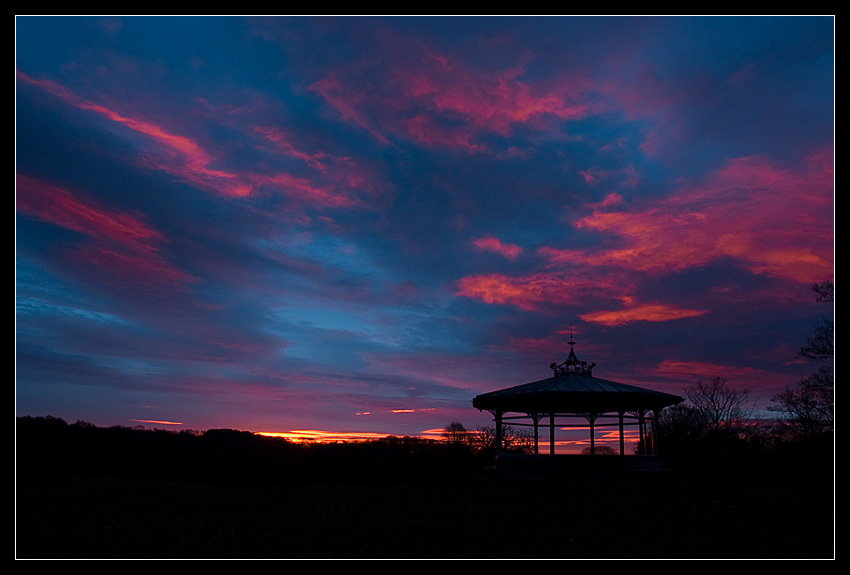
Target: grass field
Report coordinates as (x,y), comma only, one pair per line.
(653,515)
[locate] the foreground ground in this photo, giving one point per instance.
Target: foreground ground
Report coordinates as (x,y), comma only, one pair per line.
(639,515)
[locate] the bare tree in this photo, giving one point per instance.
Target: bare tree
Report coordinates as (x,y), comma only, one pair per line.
(809,407)
(719,405)
(518,440)
(600,450)
(513,440)
(825,292)
(484,438)
(820,346)
(455,434)
(680,428)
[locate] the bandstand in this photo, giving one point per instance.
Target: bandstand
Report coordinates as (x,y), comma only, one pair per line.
(574,393)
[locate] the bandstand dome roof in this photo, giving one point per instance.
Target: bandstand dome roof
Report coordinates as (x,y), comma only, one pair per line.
(574,389)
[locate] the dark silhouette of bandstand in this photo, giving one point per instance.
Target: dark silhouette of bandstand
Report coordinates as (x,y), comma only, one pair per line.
(573,394)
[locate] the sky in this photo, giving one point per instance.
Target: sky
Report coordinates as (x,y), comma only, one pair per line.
(354,225)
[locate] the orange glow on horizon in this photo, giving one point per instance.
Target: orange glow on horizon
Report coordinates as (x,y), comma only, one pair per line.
(157,422)
(318,436)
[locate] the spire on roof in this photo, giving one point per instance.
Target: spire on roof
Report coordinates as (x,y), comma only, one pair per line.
(572,363)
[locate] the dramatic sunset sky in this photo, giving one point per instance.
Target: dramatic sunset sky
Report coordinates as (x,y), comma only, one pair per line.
(357,224)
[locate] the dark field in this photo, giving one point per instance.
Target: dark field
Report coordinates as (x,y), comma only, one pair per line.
(636,515)
(88,492)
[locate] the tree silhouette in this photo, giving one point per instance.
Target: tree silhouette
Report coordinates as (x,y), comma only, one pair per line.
(456,434)
(484,439)
(681,427)
(820,346)
(720,406)
(808,408)
(600,450)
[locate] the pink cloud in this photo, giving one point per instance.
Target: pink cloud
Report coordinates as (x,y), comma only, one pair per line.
(492,244)
(773,221)
(645,94)
(653,312)
(532,291)
(179,155)
(589,176)
(188,161)
(437,102)
(345,178)
(490,102)
(283,145)
(525,293)
(304,190)
(770,221)
(121,245)
(348,103)
(60,207)
(424,130)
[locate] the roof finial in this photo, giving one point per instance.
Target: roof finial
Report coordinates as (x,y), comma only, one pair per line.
(572,363)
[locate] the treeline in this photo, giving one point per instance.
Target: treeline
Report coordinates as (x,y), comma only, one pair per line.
(226,456)
(688,443)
